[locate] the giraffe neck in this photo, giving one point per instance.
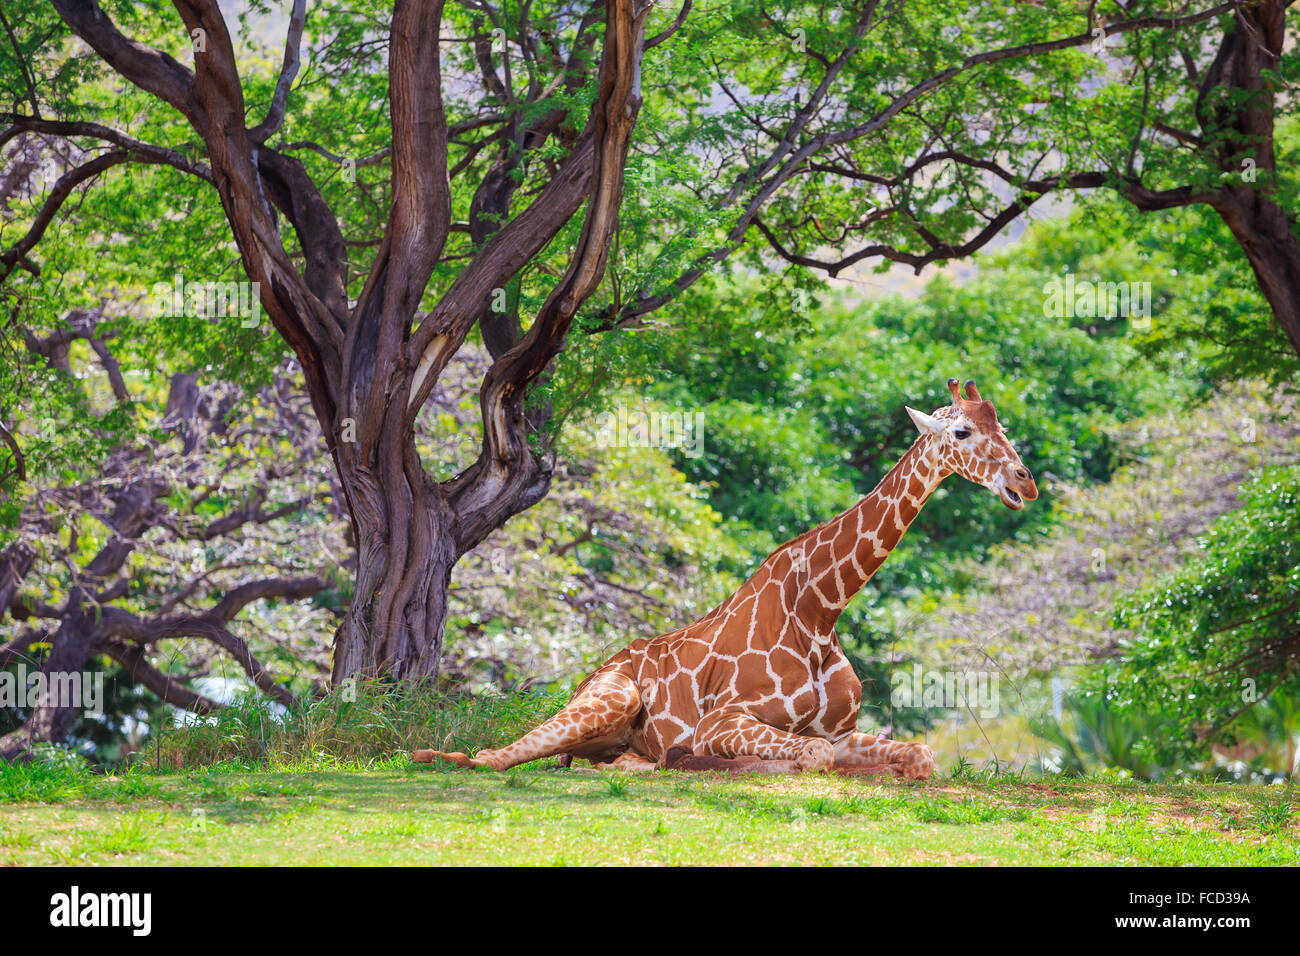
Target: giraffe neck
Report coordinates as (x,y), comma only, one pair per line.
(844,553)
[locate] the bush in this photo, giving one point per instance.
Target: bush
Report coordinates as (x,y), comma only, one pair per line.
(353,724)
(1214,640)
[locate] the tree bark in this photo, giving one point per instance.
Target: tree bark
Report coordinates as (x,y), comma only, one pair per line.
(1265,234)
(411,531)
(51,720)
(405,553)
(1236,107)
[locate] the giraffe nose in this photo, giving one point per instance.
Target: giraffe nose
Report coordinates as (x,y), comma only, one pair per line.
(1023,474)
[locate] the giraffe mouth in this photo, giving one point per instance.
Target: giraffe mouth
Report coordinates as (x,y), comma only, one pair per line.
(1011,499)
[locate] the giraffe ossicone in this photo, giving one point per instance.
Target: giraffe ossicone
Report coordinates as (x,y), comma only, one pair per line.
(760,683)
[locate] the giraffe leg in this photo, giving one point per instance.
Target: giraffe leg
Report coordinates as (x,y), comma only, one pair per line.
(865,753)
(603,709)
(632,762)
(729,732)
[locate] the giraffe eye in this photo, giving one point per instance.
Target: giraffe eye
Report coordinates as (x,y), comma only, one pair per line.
(961,433)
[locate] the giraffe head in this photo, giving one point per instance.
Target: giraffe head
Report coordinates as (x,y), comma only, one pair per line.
(970,442)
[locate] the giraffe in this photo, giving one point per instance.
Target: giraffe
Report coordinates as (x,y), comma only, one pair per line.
(760,683)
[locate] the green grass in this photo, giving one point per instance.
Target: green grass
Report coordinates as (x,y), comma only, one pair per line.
(322,812)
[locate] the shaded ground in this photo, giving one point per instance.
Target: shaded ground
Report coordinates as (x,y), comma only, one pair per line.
(410,815)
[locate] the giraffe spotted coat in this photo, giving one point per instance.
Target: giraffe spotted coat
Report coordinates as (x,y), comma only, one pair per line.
(761,682)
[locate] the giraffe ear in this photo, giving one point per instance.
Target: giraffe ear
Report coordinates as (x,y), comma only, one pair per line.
(925,424)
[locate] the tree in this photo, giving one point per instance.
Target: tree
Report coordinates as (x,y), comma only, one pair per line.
(1216,318)
(517,155)
(368,365)
(223,536)
(1220,637)
(1177,119)
(1213,126)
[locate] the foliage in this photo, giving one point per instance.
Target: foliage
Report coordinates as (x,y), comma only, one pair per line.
(356,723)
(1216,318)
(61,429)
(1095,737)
(235,497)
(1220,635)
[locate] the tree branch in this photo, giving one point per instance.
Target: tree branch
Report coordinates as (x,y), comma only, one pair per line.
(135,662)
(139,150)
(419,221)
(786,160)
(117,623)
(505,474)
(69,181)
(292,43)
(152,70)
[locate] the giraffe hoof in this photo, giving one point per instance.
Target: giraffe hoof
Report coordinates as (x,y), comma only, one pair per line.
(431,756)
(680,758)
(914,762)
(816,754)
(675,757)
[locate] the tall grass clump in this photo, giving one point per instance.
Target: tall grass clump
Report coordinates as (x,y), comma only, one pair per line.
(360,723)
(39,781)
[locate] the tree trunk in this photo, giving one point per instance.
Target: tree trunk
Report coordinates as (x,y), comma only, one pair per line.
(405,554)
(1237,114)
(410,532)
(1264,233)
(51,720)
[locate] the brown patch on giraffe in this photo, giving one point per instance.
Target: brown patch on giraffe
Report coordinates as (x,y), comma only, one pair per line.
(846,539)
(910,506)
(790,675)
(804,703)
(760,683)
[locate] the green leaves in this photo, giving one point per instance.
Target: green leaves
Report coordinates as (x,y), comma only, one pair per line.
(804,409)
(1219,637)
